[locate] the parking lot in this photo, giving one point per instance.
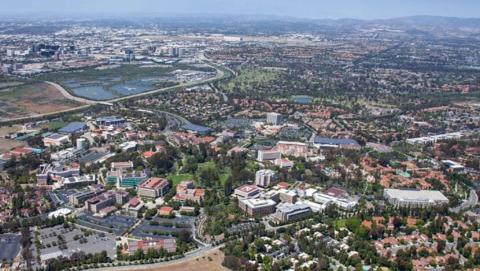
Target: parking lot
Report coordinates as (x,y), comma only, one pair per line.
(116,224)
(74,240)
(9,246)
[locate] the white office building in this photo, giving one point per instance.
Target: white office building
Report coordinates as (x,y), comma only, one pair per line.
(287,212)
(264,177)
(273,118)
(268,155)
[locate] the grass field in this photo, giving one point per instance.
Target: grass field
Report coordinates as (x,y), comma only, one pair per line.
(223,175)
(32,99)
(249,78)
(55,125)
(176,179)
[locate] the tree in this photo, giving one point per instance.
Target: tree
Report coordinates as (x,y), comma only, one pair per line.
(231,262)
(228,186)
(208,176)
(441,244)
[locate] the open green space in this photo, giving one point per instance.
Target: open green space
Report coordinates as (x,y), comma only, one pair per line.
(178,178)
(55,125)
(248,78)
(341,223)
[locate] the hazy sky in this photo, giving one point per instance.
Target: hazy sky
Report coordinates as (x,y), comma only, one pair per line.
(366,9)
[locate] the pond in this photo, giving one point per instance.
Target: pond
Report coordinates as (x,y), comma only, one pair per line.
(109,88)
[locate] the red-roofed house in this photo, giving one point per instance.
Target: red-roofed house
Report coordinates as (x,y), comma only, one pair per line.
(165,211)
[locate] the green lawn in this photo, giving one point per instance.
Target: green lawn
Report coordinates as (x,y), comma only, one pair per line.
(209,164)
(248,78)
(176,179)
(341,223)
(225,175)
(55,125)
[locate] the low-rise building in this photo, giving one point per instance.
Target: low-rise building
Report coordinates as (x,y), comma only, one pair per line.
(99,202)
(79,198)
(74,128)
(268,155)
(186,191)
(257,206)
(76,182)
(121,197)
(283,163)
(325,142)
(48,172)
(111,121)
(56,140)
(133,207)
(153,188)
(289,196)
(296,149)
(453,166)
(434,138)
(287,212)
(414,198)
(246,191)
(165,211)
(123,178)
(337,197)
(168,244)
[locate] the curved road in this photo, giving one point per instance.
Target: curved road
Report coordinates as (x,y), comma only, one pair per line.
(88,102)
(69,96)
(471,202)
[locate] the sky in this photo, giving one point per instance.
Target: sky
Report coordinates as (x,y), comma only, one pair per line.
(311,9)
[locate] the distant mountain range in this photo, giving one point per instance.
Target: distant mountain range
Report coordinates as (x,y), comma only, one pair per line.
(272,25)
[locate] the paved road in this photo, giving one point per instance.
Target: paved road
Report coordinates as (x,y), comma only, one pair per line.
(161,112)
(69,96)
(469,203)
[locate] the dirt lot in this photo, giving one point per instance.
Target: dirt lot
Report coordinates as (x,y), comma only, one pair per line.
(7,144)
(32,99)
(196,264)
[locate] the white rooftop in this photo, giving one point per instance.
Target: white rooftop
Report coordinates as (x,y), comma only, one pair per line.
(415,195)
